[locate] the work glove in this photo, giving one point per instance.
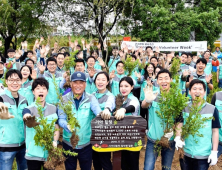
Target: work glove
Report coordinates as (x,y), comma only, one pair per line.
(120,114)
(69,127)
(30,121)
(179,143)
(212,159)
(105,114)
(169,135)
(4,114)
(149,95)
(54,144)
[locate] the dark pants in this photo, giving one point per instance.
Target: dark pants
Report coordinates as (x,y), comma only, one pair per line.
(130,160)
(136,93)
(101,160)
(84,157)
(193,164)
(35,165)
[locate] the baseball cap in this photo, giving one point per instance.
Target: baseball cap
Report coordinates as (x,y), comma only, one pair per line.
(78,76)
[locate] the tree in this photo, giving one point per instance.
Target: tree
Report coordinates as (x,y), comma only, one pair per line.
(95,16)
(22,18)
(174,20)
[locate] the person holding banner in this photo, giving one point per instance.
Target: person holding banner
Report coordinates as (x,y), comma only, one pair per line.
(130,106)
(102,160)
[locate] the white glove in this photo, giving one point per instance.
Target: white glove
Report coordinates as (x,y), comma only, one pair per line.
(68,126)
(54,144)
(106,114)
(212,159)
(179,143)
(120,113)
(26,115)
(169,135)
(150,96)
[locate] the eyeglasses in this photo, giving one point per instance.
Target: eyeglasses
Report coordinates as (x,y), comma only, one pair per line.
(17,81)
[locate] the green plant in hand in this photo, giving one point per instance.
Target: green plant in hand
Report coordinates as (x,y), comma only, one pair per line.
(175,67)
(44,137)
(70,61)
(129,66)
(171,104)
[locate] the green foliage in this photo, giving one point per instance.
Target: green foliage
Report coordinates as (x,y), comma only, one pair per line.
(170,109)
(70,61)
(129,66)
(166,21)
(215,89)
(142,65)
(23,18)
(45,133)
(140,143)
(175,67)
(194,121)
(66,107)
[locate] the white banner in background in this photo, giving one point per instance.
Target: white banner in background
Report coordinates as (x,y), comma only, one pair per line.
(168,46)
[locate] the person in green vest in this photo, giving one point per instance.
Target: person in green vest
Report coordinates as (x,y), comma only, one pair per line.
(36,155)
(12,135)
(60,58)
(27,79)
(51,63)
(201,151)
(102,160)
(201,75)
(115,78)
(219,74)
(210,62)
(217,102)
(2,70)
(113,59)
(156,129)
(184,72)
(84,107)
(130,107)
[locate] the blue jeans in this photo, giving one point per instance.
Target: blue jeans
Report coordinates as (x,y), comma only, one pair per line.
(220,84)
(188,163)
(84,157)
(151,156)
(7,158)
(219,150)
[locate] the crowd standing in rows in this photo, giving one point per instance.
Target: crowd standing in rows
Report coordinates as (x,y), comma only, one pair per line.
(92,91)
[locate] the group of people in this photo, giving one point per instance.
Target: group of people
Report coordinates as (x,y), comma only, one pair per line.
(92,87)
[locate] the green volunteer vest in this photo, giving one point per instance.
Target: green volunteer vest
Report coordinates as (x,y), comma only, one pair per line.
(26,90)
(84,116)
(209,67)
(115,84)
(34,152)
(201,149)
(12,130)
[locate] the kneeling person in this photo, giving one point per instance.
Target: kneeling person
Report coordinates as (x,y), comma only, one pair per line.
(35,155)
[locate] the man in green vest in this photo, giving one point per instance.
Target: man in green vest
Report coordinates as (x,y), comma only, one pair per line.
(201,75)
(156,130)
(85,106)
(200,151)
(12,137)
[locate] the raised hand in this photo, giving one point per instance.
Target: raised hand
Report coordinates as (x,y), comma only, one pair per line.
(42,39)
(82,41)
(99,46)
(138,75)
(42,51)
(157,49)
(88,46)
(4,114)
(30,121)
(190,78)
(121,54)
(34,74)
(208,78)
(150,96)
(186,73)
(17,55)
(112,74)
(41,67)
(101,62)
(72,45)
(76,43)
(125,49)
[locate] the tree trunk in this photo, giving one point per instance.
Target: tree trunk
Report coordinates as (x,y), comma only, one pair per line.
(8,41)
